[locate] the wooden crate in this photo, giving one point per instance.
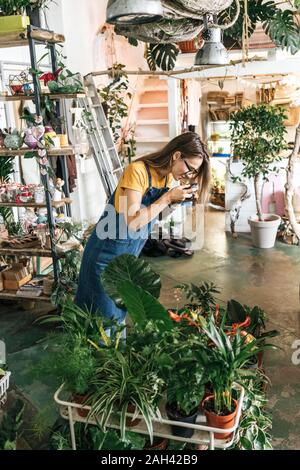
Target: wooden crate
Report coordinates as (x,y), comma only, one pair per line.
(15,285)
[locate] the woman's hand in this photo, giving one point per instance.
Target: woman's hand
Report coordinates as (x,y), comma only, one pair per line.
(180,194)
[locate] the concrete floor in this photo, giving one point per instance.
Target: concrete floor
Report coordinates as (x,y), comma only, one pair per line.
(268,278)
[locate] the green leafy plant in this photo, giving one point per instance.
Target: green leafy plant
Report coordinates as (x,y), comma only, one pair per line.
(253,432)
(163,56)
(185,400)
(10,426)
(13,7)
(258,138)
(203,296)
(6,171)
(129,268)
(224,359)
(123,380)
(115,97)
(281,25)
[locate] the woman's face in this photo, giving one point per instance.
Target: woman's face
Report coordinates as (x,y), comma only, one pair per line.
(186,168)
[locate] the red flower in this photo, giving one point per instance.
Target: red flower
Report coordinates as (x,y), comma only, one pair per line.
(245,324)
(49,77)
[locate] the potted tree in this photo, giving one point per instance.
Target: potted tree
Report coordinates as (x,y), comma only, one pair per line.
(13,18)
(258,139)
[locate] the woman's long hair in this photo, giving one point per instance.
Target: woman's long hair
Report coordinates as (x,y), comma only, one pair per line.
(189,145)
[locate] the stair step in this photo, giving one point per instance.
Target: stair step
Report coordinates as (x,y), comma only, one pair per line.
(153,105)
(146,122)
(154,88)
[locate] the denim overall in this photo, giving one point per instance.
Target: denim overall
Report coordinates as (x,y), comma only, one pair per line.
(100,252)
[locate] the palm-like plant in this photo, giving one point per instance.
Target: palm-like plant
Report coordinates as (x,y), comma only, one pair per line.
(124,380)
(224,358)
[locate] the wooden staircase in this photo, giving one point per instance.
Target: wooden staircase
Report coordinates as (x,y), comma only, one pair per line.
(152,126)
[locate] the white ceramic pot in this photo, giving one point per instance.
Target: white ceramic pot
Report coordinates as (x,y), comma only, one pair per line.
(264,232)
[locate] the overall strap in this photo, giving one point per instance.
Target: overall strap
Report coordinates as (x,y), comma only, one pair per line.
(166,183)
(149,175)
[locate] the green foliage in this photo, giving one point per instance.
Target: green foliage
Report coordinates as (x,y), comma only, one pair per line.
(163,56)
(258,138)
(71,360)
(253,432)
(224,360)
(13,7)
(129,268)
(94,438)
(68,279)
(10,426)
(203,295)
(142,306)
(115,97)
(6,170)
(186,399)
(122,380)
(280,24)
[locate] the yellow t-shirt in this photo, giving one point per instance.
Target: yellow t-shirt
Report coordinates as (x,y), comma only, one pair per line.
(136,177)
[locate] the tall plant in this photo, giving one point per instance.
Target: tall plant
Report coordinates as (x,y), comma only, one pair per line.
(258,138)
(6,170)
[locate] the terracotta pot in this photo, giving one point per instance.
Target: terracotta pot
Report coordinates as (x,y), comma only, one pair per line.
(129,422)
(192,46)
(217,421)
(80,399)
(158,444)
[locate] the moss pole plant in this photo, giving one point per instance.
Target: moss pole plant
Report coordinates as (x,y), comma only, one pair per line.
(258,139)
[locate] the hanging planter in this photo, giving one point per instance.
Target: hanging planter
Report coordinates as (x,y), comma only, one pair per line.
(166,31)
(196,7)
(192,46)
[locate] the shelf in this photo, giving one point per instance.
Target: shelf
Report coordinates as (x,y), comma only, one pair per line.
(55,204)
(21,38)
(12,295)
(39,252)
(153,105)
(161,427)
(55,152)
(62,96)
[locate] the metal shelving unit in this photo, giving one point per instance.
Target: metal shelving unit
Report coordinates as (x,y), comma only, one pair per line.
(204,434)
(31,38)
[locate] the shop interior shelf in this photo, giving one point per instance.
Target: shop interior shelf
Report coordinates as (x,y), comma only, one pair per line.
(52,96)
(55,204)
(54,152)
(203,434)
(12,295)
(21,38)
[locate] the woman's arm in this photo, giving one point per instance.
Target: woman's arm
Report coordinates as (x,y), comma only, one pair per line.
(137,216)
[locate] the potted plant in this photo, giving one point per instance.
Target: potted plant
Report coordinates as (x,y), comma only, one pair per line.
(13,18)
(258,138)
(126,382)
(35,9)
(185,391)
(224,358)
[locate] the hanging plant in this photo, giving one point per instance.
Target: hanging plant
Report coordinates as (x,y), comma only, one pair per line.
(280,25)
(163,56)
(166,31)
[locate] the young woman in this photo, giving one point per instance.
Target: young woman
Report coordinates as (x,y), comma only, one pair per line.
(142,194)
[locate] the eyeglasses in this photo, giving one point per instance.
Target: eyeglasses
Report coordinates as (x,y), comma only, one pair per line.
(192,172)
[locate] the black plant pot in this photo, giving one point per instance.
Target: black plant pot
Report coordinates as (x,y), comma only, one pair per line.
(34,17)
(174,415)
